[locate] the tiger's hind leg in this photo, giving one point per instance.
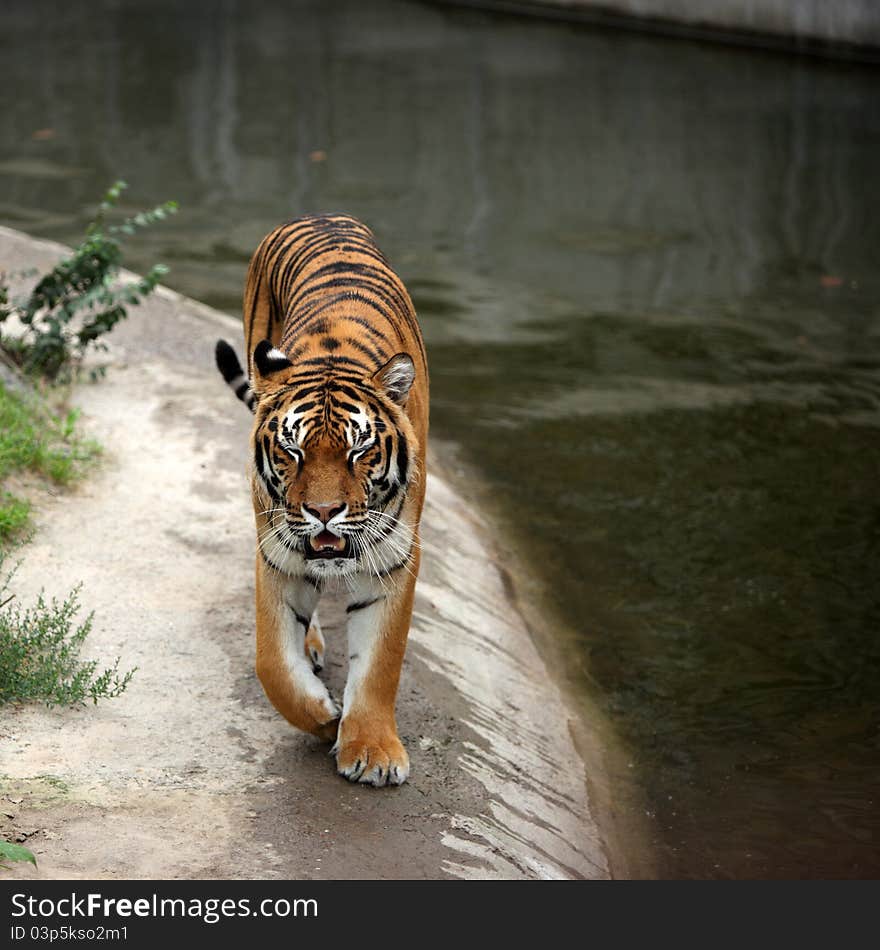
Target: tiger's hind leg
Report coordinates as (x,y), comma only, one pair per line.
(315,644)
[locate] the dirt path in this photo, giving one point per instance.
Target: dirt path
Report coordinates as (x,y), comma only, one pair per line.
(191,774)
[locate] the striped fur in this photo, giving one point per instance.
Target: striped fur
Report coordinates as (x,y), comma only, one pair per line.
(337,379)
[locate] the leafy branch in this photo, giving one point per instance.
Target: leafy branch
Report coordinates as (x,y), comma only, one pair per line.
(78,301)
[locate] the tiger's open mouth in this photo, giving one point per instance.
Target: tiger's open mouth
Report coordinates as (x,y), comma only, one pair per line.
(326,544)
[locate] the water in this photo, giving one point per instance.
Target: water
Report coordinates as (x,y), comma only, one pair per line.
(648,276)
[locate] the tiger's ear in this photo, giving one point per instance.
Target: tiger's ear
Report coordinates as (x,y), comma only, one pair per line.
(267,361)
(396,377)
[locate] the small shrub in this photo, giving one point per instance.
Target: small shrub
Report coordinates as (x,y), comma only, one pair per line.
(76,303)
(39,654)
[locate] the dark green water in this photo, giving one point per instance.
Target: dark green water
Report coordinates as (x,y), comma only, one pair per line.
(648,275)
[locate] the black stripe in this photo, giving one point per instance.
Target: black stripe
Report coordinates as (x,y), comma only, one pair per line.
(362,605)
(331,361)
(388,444)
(305,621)
(393,520)
(317,381)
(373,331)
(346,390)
(378,357)
(368,250)
(402,461)
(262,460)
(396,567)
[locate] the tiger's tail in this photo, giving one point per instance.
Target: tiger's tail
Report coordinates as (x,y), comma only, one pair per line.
(231,369)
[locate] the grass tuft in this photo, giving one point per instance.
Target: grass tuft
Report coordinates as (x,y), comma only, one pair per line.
(33,438)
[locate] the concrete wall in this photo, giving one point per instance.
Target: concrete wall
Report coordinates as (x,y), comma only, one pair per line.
(796,22)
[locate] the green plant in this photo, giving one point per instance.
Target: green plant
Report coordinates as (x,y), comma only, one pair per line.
(14,852)
(14,514)
(39,654)
(33,438)
(77,302)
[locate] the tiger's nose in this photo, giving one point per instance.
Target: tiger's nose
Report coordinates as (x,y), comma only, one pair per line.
(325,512)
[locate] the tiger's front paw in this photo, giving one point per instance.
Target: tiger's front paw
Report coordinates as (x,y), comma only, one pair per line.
(370,755)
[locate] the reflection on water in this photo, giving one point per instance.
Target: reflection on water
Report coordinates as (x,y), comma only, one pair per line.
(648,277)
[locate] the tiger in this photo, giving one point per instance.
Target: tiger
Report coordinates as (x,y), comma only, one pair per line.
(337,379)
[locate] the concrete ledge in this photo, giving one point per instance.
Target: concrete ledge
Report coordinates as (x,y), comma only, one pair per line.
(847,29)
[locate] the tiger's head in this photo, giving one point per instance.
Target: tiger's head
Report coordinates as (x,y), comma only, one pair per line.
(334,453)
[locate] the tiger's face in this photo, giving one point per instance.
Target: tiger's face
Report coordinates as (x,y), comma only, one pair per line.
(333,457)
